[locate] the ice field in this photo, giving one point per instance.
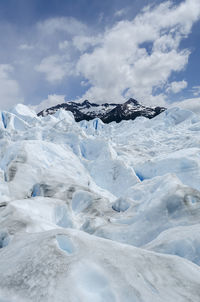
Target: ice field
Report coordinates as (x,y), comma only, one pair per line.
(94,212)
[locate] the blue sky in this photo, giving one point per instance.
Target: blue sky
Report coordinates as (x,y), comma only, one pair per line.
(109,50)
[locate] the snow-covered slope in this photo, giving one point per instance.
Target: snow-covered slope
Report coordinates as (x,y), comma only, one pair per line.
(94,212)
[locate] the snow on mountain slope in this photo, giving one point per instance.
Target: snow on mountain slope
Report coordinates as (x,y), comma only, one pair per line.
(99,212)
(108,113)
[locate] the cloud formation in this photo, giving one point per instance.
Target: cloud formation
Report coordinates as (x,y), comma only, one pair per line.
(51,101)
(61,24)
(55,68)
(192,104)
(9,88)
(196,90)
(176,87)
(137,57)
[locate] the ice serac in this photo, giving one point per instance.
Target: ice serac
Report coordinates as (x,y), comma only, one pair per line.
(99,212)
(106,112)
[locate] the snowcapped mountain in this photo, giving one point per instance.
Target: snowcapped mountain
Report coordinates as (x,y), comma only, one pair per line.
(94,212)
(106,112)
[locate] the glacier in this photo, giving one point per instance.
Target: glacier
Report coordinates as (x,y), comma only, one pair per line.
(94,212)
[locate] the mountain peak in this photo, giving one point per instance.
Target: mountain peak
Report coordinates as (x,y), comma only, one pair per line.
(107,112)
(85,103)
(132,101)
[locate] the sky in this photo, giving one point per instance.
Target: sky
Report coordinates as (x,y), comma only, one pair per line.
(104,51)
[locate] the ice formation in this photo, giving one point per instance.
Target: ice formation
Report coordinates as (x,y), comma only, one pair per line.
(94,212)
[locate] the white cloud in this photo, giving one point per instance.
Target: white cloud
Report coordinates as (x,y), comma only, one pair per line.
(55,68)
(121,12)
(101,17)
(9,88)
(61,24)
(63,45)
(57,53)
(25,46)
(136,57)
(82,43)
(128,59)
(52,100)
(192,104)
(176,87)
(196,90)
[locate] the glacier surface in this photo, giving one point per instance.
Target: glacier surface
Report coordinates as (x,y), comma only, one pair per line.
(94,212)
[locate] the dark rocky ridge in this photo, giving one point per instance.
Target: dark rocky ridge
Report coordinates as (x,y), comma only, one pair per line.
(106,112)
